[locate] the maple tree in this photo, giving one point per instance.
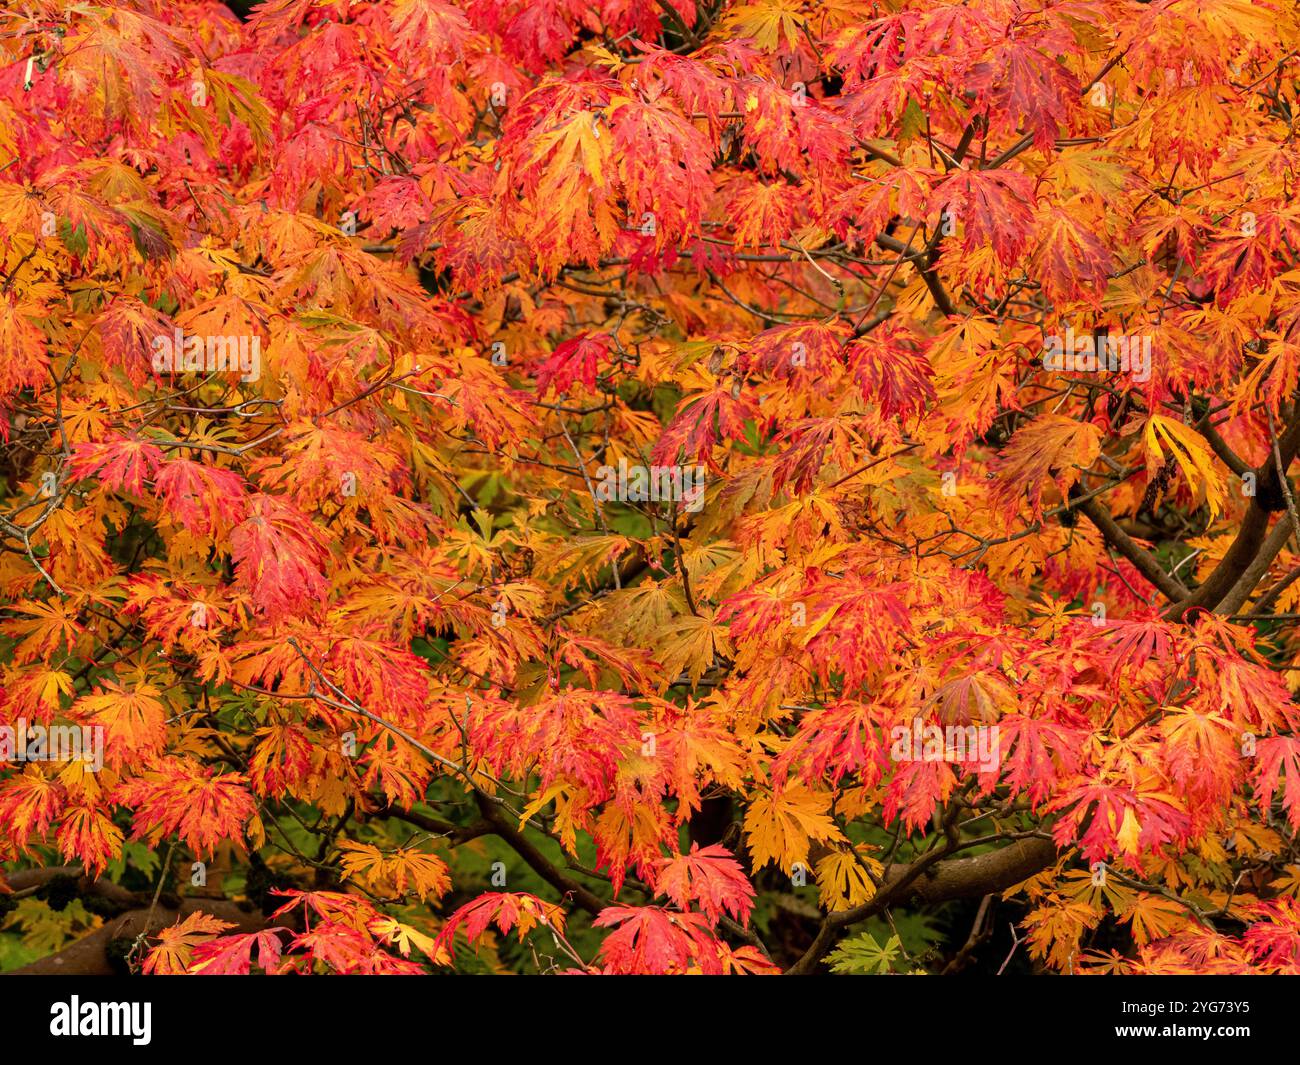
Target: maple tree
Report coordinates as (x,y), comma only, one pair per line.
(496,477)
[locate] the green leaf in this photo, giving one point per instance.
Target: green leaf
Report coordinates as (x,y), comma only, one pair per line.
(862,955)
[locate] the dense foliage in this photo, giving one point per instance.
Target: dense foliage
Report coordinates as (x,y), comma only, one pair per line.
(560,485)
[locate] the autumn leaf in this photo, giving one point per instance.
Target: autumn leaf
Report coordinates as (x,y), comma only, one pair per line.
(711,877)
(233,955)
(365,625)
(134,722)
(517,912)
(88,833)
(691,642)
(1050,449)
(993,208)
(1167,439)
(1279,757)
(121,464)
(769,23)
(846,879)
(172,954)
(647,939)
(404,937)
(277,556)
(204,499)
(204,808)
(781,827)
(1072,260)
(574,360)
(425,874)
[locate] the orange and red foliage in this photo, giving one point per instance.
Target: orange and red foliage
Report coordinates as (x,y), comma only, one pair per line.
(337,343)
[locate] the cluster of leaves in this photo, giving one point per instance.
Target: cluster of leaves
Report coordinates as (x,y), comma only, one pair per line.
(358,606)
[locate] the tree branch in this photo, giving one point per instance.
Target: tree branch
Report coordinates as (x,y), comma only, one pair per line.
(1269,498)
(90,956)
(1146,564)
(930,880)
(1254,573)
(537,861)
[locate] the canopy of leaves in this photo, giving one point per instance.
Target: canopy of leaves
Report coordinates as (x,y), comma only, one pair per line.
(621,487)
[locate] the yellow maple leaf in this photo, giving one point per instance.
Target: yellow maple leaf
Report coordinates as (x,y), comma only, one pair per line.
(426,874)
(781,827)
(691,643)
(403,936)
(766,22)
(1154,917)
(171,957)
(843,879)
(1168,436)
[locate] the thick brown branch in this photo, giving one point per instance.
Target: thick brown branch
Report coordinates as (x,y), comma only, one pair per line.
(1235,562)
(89,956)
(24,880)
(1254,573)
(1145,562)
(1230,458)
(537,861)
(1245,549)
(982,874)
(931,880)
